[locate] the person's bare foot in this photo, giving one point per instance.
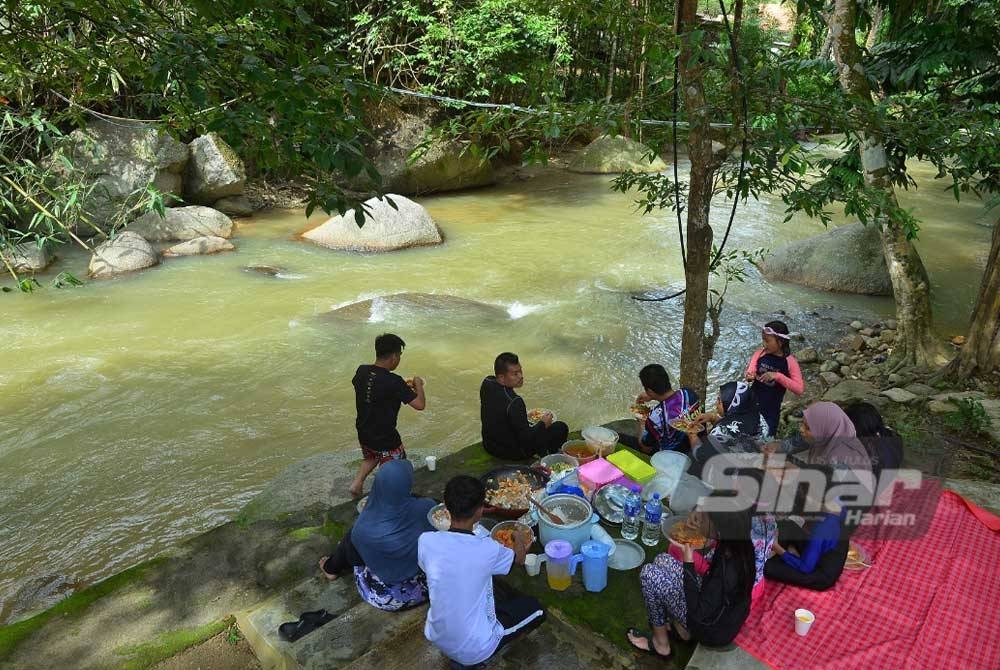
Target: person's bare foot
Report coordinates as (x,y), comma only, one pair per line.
(682,632)
(642,642)
(326,574)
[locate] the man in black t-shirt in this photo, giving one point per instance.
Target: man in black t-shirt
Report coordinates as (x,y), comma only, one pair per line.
(378,394)
(506,431)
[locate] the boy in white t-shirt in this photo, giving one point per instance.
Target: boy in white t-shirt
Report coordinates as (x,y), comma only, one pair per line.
(463,621)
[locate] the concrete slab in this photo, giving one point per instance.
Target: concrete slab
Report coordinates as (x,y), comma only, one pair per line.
(726,658)
(984,494)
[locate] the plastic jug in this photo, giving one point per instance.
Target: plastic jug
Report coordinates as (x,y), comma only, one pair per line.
(594,556)
(558,557)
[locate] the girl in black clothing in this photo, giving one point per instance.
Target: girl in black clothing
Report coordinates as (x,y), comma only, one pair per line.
(711,608)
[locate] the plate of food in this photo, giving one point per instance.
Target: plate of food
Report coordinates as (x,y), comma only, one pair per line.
(535,415)
(439,517)
(509,489)
(687,532)
(640,411)
(688,421)
(857,558)
(504,532)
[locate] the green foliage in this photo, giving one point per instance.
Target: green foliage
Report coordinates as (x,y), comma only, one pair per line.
(969,418)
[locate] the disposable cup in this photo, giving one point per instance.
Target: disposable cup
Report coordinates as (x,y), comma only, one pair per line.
(532,564)
(432,462)
(803,621)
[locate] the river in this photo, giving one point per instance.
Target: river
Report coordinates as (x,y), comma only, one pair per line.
(140,411)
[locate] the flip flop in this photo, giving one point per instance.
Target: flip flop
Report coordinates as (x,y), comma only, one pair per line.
(648,637)
(307,623)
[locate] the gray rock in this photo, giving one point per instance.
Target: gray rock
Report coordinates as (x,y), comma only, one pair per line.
(887,336)
(955,396)
(899,395)
(200,246)
(237,205)
(121,159)
(126,252)
(872,342)
(829,366)
(891,324)
(385,229)
(27,257)
(940,407)
(857,325)
(409,165)
(921,389)
(422,306)
(807,355)
(318,480)
(266,270)
(894,379)
(847,259)
(612,155)
(858,343)
(867,332)
(850,390)
(831,378)
(841,357)
(183,223)
(871,373)
(214,171)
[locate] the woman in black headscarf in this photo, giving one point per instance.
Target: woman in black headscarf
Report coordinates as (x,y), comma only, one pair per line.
(738,426)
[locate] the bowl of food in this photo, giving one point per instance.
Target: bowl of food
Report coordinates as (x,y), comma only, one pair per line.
(439,517)
(580,450)
(535,415)
(603,439)
(559,465)
(504,533)
(857,558)
(686,531)
(509,489)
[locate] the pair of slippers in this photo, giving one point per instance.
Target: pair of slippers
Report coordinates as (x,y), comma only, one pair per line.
(650,647)
(307,623)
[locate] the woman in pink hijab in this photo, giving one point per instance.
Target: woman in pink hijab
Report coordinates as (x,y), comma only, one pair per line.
(832,439)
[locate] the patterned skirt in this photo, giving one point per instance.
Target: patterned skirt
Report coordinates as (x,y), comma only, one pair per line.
(663,589)
(390,597)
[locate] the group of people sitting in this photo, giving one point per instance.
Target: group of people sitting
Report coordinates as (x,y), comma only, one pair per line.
(398,561)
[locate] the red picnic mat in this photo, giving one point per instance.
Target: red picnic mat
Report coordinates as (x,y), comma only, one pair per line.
(926,602)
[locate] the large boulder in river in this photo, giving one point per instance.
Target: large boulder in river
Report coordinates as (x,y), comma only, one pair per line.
(27,257)
(200,246)
(410,164)
(612,155)
(386,228)
(214,171)
(409,307)
(183,223)
(125,252)
(121,159)
(847,259)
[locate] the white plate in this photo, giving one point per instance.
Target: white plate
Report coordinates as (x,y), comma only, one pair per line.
(543,411)
(628,556)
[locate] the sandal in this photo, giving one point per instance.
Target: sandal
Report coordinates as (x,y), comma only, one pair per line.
(648,637)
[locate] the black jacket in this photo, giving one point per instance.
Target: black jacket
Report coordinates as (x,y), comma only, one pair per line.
(717,609)
(506,433)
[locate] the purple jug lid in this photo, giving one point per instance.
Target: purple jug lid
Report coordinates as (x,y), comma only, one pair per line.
(558,549)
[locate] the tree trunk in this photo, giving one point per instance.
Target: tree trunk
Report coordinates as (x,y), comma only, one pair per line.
(910,287)
(704,163)
(980,355)
(878,14)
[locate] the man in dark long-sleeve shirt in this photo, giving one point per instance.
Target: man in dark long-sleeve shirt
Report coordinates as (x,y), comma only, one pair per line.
(506,431)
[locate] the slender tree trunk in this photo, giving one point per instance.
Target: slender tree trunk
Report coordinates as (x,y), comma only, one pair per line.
(877,15)
(611,68)
(694,361)
(642,62)
(914,344)
(981,353)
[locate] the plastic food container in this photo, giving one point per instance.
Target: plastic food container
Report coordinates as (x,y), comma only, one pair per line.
(596,474)
(687,493)
(603,439)
(577,513)
(661,484)
(671,464)
(632,466)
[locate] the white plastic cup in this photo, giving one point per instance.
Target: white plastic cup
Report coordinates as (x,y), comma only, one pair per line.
(532,564)
(803,621)
(432,462)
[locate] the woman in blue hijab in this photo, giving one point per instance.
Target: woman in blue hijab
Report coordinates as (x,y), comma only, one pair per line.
(384,541)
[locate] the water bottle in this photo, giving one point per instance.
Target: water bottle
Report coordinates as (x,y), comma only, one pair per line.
(651,521)
(630,515)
